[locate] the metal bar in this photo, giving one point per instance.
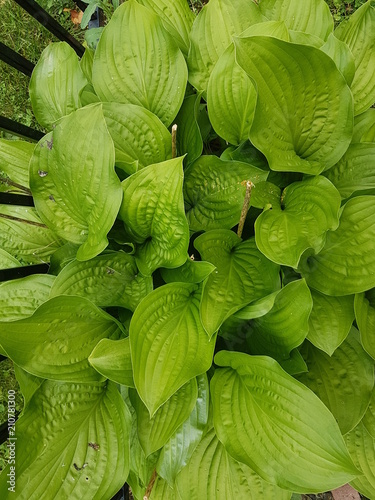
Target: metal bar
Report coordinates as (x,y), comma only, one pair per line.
(21,272)
(16,60)
(19,129)
(51,24)
(16,199)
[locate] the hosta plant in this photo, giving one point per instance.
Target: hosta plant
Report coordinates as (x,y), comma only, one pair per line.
(205,196)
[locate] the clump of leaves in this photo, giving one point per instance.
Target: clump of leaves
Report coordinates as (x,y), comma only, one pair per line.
(206,329)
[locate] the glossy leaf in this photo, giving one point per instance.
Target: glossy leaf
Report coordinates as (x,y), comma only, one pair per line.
(28,383)
(214,192)
(355,171)
(364,307)
(111,279)
(257,308)
(7,261)
(364,127)
(57,339)
(295,84)
(359,34)
(212,33)
(346,264)
(76,191)
(111,358)
(86,63)
(72,441)
(138,62)
(140,138)
(153,213)
(189,137)
(21,297)
(168,321)
(177,451)
(56,83)
(330,320)
(369,418)
(14,160)
(341,54)
(343,381)
(265,194)
(190,272)
(242,275)
(154,432)
(311,16)
(162,491)
(213,473)
(277,426)
(306,211)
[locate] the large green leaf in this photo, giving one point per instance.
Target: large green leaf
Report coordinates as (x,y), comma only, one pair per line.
(212,33)
(361,447)
(212,473)
(57,339)
(341,54)
(138,62)
(330,321)
(7,261)
(72,177)
(140,138)
(153,213)
(154,432)
(359,34)
(56,83)
(72,442)
(178,449)
(364,127)
(214,192)
(257,308)
(29,243)
(168,343)
(343,381)
(14,160)
(277,426)
(303,119)
(28,383)
(20,298)
(189,137)
(299,221)
(369,418)
(355,171)
(242,275)
(190,272)
(364,307)
(111,358)
(310,16)
(111,279)
(177,19)
(285,326)
(346,264)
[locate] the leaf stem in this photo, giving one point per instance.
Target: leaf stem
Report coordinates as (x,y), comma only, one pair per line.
(245,207)
(150,485)
(17,219)
(14,184)
(174,140)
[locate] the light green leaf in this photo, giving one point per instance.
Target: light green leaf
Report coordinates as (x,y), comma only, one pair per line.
(285,326)
(277,426)
(265,193)
(190,272)
(153,433)
(364,127)
(72,177)
(214,192)
(359,34)
(72,441)
(20,298)
(138,62)
(107,280)
(231,99)
(177,19)
(276,29)
(139,136)
(30,243)
(294,364)
(178,449)
(14,160)
(162,491)
(311,16)
(213,473)
(56,83)
(257,308)
(189,137)
(330,321)
(303,119)
(7,261)
(86,63)
(247,153)
(111,358)
(307,210)
(355,171)
(341,54)
(61,257)
(346,264)
(344,381)
(364,307)
(242,275)
(28,383)
(212,33)
(369,418)
(361,447)
(57,339)
(153,213)
(304,38)
(167,321)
